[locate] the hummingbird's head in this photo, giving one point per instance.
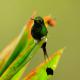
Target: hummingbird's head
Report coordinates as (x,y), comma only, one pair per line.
(38,20)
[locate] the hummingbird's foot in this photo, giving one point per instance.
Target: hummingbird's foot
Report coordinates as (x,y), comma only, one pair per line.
(44,38)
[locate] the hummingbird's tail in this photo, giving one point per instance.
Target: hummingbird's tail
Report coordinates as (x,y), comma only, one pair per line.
(44,50)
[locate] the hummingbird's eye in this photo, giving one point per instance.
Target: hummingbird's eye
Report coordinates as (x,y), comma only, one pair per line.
(39,20)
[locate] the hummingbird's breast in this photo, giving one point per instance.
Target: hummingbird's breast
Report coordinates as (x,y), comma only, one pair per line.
(38,31)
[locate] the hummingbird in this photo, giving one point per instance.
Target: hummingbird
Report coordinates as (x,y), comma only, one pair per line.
(39,31)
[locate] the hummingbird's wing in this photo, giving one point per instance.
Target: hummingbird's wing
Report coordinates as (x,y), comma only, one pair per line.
(44,30)
(49,21)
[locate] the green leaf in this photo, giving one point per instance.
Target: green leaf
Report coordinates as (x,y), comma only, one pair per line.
(23,40)
(18,75)
(21,61)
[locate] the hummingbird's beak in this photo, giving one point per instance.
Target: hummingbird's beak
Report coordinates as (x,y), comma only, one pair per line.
(32,19)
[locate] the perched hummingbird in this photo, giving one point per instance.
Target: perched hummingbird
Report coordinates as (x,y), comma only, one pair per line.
(39,31)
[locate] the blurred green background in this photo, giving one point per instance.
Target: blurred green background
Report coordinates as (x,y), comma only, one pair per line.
(15,13)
